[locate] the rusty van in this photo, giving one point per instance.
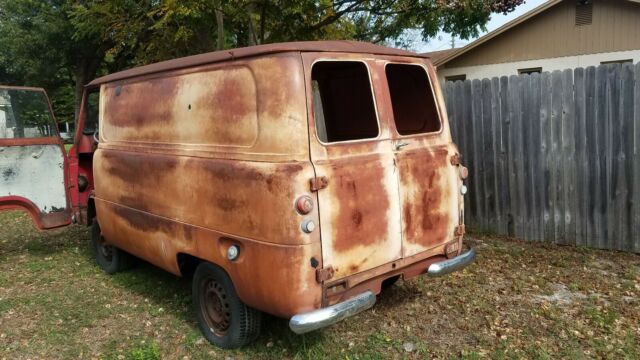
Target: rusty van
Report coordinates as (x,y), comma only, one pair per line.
(294,179)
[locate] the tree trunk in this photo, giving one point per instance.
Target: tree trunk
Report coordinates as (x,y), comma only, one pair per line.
(220,29)
(80,79)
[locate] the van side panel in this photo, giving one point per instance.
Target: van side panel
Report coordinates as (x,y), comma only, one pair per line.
(171,179)
(236,108)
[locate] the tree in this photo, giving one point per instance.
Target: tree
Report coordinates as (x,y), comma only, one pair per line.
(63,44)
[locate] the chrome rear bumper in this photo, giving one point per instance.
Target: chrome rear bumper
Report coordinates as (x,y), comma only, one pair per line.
(451,265)
(317,319)
(313,320)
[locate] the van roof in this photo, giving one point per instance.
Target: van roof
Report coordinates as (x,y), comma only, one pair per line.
(231,54)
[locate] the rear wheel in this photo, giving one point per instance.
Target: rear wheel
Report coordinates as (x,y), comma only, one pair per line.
(223,318)
(110,258)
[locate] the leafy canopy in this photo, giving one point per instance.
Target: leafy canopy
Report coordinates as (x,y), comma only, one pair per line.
(63,44)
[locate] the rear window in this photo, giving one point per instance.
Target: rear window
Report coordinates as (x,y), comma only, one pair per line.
(25,113)
(414,106)
(343,103)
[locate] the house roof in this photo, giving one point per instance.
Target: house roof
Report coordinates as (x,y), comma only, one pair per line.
(231,54)
(436,56)
(511,24)
(504,28)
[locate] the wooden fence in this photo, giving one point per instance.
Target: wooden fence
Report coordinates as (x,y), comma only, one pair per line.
(553,156)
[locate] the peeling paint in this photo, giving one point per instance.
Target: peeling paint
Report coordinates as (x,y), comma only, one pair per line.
(39,179)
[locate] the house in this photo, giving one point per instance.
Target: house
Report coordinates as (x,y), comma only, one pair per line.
(557,35)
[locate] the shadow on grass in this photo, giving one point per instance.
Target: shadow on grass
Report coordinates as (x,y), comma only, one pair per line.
(173,294)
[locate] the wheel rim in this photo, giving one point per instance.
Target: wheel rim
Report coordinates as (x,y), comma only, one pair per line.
(105,249)
(214,304)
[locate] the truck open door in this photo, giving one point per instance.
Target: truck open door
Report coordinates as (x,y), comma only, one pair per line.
(33,162)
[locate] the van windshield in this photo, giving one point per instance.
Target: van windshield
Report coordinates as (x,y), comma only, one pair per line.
(412,99)
(343,103)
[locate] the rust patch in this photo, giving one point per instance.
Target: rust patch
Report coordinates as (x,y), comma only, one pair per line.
(426,219)
(362,217)
(156,96)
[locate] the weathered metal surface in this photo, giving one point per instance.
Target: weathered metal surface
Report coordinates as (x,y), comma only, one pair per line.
(384,202)
(194,194)
(353,47)
(33,170)
(197,159)
(33,176)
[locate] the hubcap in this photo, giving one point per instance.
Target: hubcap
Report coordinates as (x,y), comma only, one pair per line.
(214,304)
(105,249)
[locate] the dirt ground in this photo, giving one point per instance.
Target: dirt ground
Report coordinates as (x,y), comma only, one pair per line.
(519,300)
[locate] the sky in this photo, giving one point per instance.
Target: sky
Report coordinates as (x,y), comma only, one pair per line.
(443,40)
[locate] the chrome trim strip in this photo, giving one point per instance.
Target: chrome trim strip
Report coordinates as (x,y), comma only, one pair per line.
(313,320)
(451,265)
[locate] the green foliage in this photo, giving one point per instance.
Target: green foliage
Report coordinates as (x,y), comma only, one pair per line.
(145,352)
(63,44)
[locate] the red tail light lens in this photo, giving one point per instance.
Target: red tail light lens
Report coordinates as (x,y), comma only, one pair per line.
(304,204)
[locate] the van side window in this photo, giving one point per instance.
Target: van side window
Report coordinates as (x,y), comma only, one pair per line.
(91,113)
(412,99)
(25,113)
(343,101)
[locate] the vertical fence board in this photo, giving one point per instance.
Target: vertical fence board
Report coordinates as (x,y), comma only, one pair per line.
(505,170)
(568,158)
(470,203)
(591,156)
(476,115)
(496,134)
(600,168)
(547,155)
(626,157)
(636,161)
(536,167)
(489,207)
(556,158)
(526,137)
(580,158)
(514,145)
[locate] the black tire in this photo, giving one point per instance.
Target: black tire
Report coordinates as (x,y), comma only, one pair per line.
(223,318)
(110,258)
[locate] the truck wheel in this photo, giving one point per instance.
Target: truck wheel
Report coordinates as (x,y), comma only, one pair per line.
(109,258)
(222,317)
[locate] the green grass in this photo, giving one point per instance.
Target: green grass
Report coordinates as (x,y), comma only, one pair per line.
(55,303)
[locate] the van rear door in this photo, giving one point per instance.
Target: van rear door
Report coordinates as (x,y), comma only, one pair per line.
(426,159)
(33,161)
(359,207)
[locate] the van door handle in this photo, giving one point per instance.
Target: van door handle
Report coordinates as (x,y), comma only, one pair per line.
(399,146)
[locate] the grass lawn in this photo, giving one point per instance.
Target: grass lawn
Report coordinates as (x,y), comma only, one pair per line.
(520,300)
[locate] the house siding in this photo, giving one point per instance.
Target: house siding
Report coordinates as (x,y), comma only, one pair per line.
(553,34)
(549,64)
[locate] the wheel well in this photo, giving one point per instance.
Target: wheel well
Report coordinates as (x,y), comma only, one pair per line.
(187,264)
(91,211)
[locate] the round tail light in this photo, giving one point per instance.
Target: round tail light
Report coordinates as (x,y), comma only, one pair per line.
(304,204)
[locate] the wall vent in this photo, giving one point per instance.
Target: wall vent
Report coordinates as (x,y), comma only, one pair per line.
(584,13)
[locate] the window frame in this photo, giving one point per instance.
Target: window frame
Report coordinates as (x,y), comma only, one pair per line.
(373,97)
(52,116)
(433,93)
(530,70)
(453,78)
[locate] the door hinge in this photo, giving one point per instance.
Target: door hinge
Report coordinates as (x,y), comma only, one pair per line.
(455,160)
(459,231)
(324,274)
(318,183)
